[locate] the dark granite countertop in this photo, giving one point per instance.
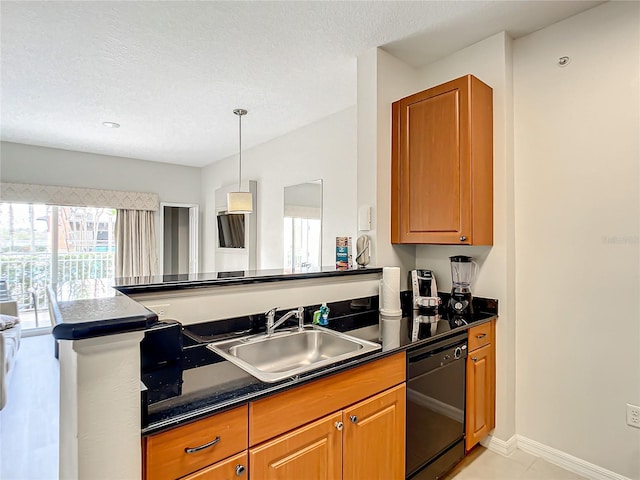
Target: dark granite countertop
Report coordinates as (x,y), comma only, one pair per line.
(205,383)
(241,277)
(94,308)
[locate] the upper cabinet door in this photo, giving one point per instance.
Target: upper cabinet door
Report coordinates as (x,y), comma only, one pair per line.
(442,165)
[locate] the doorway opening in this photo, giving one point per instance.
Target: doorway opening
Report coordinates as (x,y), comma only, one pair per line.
(178,238)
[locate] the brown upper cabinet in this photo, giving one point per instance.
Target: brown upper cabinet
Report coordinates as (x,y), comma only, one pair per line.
(442,165)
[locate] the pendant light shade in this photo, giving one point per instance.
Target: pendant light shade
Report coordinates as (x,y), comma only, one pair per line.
(239,202)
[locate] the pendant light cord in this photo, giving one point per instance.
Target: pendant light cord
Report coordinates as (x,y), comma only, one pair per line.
(240,112)
(240,152)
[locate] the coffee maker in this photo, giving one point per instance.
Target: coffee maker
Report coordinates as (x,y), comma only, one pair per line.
(463,269)
(425,292)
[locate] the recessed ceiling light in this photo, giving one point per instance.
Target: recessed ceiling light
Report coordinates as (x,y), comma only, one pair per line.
(111,124)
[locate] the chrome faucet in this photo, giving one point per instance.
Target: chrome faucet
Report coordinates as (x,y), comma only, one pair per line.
(272,324)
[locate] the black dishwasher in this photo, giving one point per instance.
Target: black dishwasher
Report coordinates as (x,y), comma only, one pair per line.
(435,407)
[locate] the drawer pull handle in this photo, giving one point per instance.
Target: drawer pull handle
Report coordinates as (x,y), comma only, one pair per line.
(475,359)
(240,469)
(339,425)
(202,447)
(482,335)
(353,418)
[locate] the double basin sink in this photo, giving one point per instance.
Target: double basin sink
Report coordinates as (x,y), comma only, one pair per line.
(291,352)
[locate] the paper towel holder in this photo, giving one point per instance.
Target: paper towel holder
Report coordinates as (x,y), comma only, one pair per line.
(363,255)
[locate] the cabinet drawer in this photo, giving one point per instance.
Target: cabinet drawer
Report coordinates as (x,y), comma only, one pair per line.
(182,450)
(285,411)
(480,336)
(235,467)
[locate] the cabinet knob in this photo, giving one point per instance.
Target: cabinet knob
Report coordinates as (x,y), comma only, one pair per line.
(353,418)
(463,238)
(339,425)
(475,359)
(240,469)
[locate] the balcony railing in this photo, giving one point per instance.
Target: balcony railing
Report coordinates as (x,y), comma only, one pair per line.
(29,274)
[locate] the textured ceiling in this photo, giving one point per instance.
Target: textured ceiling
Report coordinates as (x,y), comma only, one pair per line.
(172,72)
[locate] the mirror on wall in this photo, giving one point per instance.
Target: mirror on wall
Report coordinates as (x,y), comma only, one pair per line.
(303,226)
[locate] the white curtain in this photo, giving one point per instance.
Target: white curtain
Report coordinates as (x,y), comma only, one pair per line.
(135,244)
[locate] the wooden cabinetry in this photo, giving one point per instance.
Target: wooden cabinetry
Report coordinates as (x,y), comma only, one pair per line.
(442,165)
(374,437)
(365,440)
(318,430)
(481,388)
(313,451)
(285,411)
(185,449)
(233,468)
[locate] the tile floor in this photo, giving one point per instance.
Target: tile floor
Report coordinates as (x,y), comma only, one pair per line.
(29,429)
(518,466)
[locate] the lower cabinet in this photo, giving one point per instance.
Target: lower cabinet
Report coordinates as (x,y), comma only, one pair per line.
(188,448)
(374,437)
(233,468)
(349,425)
(480,408)
(363,441)
(313,451)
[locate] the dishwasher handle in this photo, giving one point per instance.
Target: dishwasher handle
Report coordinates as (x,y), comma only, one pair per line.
(429,360)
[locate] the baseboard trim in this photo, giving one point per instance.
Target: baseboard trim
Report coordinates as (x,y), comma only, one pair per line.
(500,446)
(564,460)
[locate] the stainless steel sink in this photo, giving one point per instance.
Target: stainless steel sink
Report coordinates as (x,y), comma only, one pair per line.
(290,352)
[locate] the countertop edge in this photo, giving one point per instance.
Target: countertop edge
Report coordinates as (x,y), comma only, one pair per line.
(223,282)
(132,317)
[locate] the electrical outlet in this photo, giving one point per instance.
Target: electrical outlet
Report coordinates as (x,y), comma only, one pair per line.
(161,310)
(633,415)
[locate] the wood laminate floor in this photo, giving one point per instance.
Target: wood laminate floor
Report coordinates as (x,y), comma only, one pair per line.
(29,420)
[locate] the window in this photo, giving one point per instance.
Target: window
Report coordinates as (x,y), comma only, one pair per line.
(42,245)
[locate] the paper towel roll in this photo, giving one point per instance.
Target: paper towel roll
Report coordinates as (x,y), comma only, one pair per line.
(390,291)
(390,331)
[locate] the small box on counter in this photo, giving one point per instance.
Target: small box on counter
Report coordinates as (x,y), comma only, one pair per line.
(344,253)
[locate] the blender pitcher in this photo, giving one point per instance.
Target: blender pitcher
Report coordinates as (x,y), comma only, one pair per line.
(463,270)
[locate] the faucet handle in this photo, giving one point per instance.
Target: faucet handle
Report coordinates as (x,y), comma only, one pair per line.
(271,312)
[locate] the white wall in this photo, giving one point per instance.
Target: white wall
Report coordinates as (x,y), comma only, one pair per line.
(490,61)
(51,166)
(216,303)
(382,79)
(577,132)
(324,150)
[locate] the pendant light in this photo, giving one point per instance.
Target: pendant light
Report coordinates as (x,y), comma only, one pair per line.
(239,202)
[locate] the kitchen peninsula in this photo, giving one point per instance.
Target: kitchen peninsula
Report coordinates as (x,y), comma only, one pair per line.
(100,354)
(99,329)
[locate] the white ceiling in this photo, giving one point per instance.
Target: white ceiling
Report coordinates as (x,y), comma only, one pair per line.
(172,72)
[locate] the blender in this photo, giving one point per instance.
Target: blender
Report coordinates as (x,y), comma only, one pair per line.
(463,269)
